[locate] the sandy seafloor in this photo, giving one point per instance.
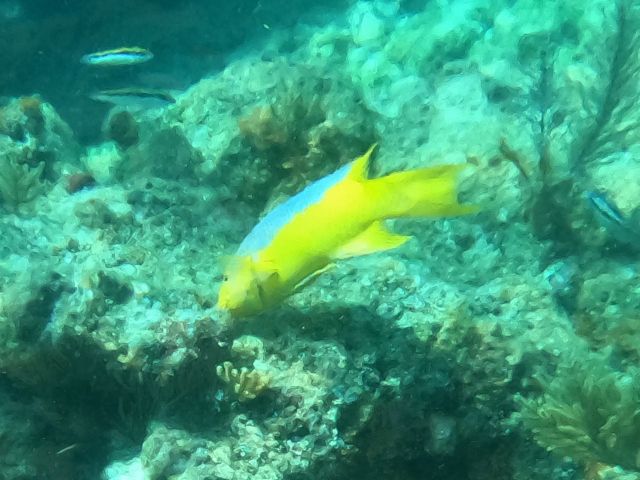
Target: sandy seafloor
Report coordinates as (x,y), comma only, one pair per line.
(501,345)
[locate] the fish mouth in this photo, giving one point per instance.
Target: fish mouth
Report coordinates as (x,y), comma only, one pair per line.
(225,304)
(222,305)
(235,310)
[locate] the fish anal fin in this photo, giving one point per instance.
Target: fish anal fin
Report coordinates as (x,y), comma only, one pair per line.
(376,238)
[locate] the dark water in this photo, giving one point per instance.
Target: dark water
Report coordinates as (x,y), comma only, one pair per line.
(42,43)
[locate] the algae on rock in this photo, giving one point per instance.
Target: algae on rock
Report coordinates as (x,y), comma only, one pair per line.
(19,183)
(35,145)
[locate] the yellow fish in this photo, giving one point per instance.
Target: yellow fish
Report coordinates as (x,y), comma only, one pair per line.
(339,216)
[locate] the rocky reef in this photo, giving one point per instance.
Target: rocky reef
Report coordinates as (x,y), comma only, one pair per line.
(502,345)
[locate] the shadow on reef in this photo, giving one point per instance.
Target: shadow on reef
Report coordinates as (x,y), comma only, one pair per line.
(90,404)
(413,407)
(54,444)
(72,377)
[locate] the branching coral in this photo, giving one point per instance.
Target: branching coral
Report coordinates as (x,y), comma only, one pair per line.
(589,412)
(246,384)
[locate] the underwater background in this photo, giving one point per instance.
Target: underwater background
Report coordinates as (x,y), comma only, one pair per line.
(494,346)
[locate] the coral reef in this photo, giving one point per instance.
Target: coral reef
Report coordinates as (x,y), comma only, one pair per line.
(606,309)
(437,359)
(253,441)
(88,330)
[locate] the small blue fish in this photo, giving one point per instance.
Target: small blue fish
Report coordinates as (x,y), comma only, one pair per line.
(623,229)
(135,98)
(118,56)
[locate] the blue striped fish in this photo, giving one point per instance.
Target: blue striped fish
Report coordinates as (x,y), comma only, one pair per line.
(118,56)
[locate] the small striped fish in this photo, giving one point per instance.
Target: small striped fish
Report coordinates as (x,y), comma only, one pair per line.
(118,56)
(621,227)
(135,98)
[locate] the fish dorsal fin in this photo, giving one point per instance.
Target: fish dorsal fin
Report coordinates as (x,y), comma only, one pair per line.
(376,238)
(360,166)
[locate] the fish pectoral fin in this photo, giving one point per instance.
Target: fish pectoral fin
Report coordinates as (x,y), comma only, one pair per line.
(267,275)
(309,279)
(376,238)
(266,281)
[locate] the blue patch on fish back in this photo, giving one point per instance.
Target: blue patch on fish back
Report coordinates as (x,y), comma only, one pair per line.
(266,230)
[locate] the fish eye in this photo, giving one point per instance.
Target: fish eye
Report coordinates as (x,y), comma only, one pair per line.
(225,278)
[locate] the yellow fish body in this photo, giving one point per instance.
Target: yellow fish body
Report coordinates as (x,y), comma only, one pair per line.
(339,216)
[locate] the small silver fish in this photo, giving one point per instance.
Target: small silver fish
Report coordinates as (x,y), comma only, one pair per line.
(135,98)
(622,228)
(67,449)
(118,56)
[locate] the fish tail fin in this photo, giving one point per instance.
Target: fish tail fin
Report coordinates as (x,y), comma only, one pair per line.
(426,192)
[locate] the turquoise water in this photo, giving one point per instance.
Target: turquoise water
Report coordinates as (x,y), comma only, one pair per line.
(496,345)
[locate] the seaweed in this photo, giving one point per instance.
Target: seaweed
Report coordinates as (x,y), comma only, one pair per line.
(573,140)
(618,118)
(588,411)
(19,183)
